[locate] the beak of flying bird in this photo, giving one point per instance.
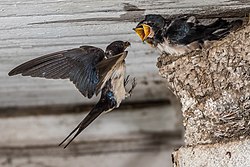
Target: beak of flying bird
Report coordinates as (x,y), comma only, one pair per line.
(143,31)
(126,44)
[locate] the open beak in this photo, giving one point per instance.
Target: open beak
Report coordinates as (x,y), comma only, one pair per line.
(143,31)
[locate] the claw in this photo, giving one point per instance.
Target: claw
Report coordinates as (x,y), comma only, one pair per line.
(126,80)
(133,87)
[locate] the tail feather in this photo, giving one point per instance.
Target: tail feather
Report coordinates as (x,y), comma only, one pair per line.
(219,23)
(236,24)
(92,115)
(220,28)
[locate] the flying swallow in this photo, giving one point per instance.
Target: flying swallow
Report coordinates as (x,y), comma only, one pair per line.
(91,70)
(182,35)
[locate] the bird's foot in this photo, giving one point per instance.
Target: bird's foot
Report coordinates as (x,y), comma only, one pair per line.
(126,80)
(129,93)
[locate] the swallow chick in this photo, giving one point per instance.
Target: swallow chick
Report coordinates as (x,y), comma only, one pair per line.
(182,35)
(91,70)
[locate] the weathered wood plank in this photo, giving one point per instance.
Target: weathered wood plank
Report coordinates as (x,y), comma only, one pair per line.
(146,136)
(149,142)
(119,125)
(65,93)
(159,158)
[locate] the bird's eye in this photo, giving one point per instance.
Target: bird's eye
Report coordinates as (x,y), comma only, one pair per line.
(109,53)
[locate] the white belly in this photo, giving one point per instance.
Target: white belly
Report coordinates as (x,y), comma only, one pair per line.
(118,84)
(174,49)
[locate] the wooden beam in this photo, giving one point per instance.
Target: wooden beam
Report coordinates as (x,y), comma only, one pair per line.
(119,125)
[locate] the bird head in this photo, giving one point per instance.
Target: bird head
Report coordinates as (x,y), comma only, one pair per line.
(116,47)
(147,28)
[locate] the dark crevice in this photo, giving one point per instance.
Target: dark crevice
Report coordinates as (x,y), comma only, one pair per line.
(68,109)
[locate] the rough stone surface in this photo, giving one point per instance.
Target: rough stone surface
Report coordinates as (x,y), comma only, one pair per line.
(214,88)
(232,154)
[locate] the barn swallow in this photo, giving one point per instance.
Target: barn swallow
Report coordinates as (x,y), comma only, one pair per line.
(182,35)
(91,70)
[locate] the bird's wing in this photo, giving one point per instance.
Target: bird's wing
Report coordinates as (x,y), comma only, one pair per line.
(108,66)
(79,65)
(181,31)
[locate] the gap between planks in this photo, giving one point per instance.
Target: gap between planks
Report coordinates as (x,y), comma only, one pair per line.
(72,108)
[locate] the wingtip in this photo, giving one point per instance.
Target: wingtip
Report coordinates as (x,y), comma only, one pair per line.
(15,71)
(11,73)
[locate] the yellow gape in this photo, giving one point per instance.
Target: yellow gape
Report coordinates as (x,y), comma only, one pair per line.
(143,32)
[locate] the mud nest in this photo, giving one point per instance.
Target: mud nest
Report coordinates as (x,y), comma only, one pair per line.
(213,86)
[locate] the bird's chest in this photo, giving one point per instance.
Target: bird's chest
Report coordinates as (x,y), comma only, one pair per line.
(176,49)
(118,84)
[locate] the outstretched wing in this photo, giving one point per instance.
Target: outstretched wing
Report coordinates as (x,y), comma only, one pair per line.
(107,67)
(78,65)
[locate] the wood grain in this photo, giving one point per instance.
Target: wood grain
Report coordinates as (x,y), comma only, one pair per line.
(119,124)
(145,136)
(159,158)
